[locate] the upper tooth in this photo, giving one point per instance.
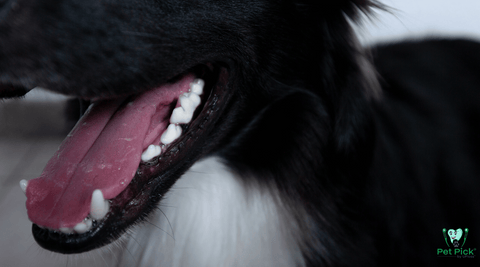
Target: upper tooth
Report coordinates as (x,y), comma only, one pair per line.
(197,86)
(99,206)
(173,132)
(23,185)
(187,103)
(151,152)
(180,115)
(194,99)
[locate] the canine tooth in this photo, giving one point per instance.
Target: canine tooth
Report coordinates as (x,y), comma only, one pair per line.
(23,185)
(99,206)
(173,132)
(66,230)
(197,86)
(180,115)
(151,152)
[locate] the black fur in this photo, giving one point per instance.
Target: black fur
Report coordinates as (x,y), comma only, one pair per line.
(427,153)
(371,170)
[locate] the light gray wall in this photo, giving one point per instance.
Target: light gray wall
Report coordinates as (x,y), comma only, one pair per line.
(420,18)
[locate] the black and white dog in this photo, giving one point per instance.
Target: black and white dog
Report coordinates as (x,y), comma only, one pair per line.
(249,133)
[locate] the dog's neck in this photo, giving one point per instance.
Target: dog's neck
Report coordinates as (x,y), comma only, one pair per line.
(331,115)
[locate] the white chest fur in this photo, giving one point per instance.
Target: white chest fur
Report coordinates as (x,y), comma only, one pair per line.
(209,218)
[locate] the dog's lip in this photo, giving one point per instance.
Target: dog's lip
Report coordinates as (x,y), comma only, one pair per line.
(148,186)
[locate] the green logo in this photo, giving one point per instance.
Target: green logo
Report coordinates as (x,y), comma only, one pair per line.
(455,236)
(455,240)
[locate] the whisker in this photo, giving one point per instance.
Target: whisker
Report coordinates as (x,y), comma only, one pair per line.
(156,226)
(171,228)
(131,254)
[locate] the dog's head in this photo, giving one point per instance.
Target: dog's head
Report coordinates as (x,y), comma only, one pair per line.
(182,75)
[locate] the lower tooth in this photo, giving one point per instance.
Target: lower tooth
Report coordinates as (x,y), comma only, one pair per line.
(81,228)
(99,206)
(66,230)
(23,185)
(89,223)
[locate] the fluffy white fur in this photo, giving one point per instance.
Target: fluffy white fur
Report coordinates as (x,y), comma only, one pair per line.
(210,219)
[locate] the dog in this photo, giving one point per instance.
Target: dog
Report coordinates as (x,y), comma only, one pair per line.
(248,133)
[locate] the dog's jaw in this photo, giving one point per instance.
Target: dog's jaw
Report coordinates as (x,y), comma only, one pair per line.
(129,196)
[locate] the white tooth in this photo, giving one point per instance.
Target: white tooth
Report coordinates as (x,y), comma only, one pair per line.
(23,185)
(186,103)
(173,132)
(66,230)
(195,99)
(151,152)
(189,101)
(81,228)
(99,206)
(89,223)
(197,86)
(180,115)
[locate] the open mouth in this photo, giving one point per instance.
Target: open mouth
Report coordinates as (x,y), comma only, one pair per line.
(121,158)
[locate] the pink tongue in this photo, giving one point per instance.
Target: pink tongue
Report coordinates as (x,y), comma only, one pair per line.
(102,152)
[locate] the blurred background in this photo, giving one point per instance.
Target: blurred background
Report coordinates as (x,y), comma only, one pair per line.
(32,128)
(423,18)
